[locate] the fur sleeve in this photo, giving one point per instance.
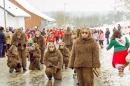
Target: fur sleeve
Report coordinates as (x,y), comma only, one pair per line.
(95,56)
(60,63)
(26,39)
(46,62)
(43,44)
(13,41)
(67,52)
(72,57)
(37,54)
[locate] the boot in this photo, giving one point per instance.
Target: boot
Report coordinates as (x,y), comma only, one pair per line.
(24,69)
(49,78)
(121,74)
(11,70)
(39,68)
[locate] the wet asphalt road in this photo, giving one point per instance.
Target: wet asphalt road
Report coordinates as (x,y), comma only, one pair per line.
(108,75)
(34,78)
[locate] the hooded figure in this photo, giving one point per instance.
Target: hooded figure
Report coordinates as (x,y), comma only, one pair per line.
(20,40)
(40,40)
(65,53)
(35,56)
(85,56)
(67,39)
(13,61)
(53,61)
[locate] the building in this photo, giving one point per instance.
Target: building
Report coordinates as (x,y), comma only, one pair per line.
(37,18)
(14,15)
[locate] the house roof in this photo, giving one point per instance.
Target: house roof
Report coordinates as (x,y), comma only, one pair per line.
(13,9)
(28,7)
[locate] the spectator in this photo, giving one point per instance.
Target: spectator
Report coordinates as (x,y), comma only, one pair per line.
(8,35)
(119,27)
(107,35)
(101,38)
(43,32)
(2,40)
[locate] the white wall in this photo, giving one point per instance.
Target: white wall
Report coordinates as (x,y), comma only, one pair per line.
(11,21)
(2,18)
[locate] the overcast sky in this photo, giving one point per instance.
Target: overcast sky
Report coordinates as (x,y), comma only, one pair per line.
(72,5)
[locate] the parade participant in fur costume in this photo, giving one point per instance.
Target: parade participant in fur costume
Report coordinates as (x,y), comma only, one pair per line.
(53,60)
(40,40)
(65,53)
(121,45)
(67,39)
(13,61)
(35,56)
(20,40)
(85,57)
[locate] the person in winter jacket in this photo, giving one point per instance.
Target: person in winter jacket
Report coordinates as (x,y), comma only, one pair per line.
(120,45)
(101,38)
(107,35)
(2,40)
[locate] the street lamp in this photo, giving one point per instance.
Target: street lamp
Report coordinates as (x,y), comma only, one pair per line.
(4,12)
(64,12)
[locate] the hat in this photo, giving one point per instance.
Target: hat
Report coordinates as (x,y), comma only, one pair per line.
(1,28)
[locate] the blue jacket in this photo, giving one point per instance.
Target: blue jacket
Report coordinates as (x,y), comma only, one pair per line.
(2,38)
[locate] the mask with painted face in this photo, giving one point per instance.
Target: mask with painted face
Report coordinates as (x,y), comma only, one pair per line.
(84,34)
(18,35)
(38,34)
(51,47)
(61,45)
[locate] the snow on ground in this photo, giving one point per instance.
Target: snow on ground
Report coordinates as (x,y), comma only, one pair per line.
(109,75)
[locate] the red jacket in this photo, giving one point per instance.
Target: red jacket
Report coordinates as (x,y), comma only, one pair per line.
(57,33)
(61,34)
(50,38)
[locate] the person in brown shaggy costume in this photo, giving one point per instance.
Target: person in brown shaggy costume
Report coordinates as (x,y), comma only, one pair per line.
(20,40)
(67,39)
(65,53)
(85,56)
(13,61)
(53,61)
(35,56)
(40,40)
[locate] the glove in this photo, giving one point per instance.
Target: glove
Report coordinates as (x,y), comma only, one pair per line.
(51,65)
(57,69)
(18,65)
(19,44)
(24,45)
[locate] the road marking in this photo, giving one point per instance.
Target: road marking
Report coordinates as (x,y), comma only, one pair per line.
(26,72)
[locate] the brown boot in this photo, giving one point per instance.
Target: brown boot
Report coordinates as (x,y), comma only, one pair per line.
(121,74)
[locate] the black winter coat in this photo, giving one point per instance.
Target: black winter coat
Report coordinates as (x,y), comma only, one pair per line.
(107,34)
(2,38)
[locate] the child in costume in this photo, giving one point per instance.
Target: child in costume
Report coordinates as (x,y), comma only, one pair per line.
(120,51)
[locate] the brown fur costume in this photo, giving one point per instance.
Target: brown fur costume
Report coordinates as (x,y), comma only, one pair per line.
(85,56)
(53,58)
(21,43)
(13,59)
(42,44)
(35,56)
(67,39)
(65,53)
